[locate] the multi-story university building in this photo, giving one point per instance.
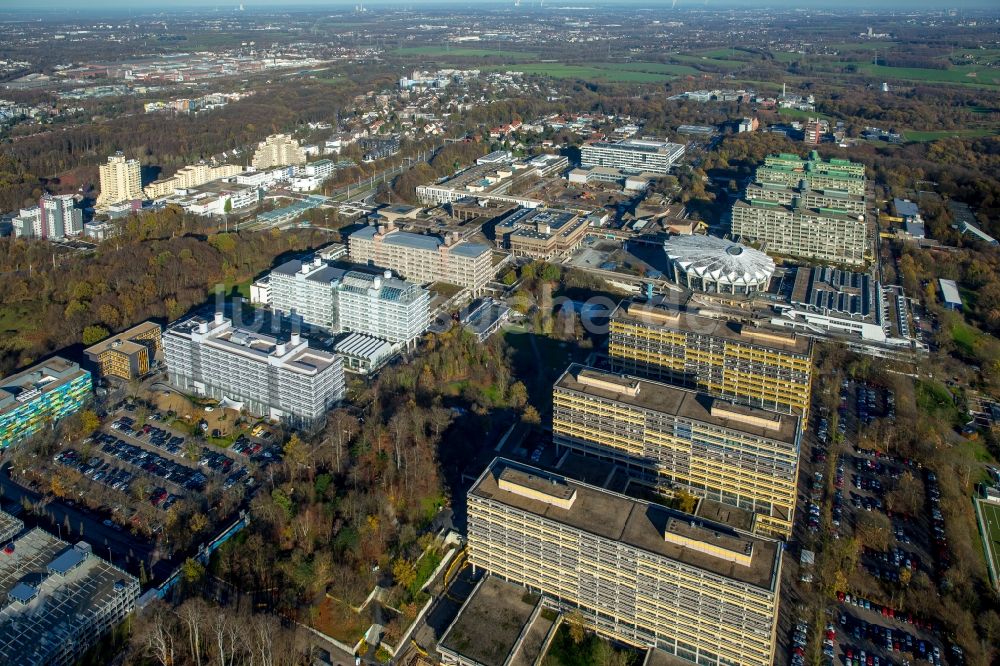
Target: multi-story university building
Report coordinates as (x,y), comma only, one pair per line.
(676,438)
(806,208)
(761,366)
(797,197)
(632,154)
(283,380)
(814,233)
(121,181)
(636,571)
(39,395)
(542,233)
(813,173)
(128,355)
(423,258)
(55,217)
(343,300)
(278,150)
(59,600)
(190,176)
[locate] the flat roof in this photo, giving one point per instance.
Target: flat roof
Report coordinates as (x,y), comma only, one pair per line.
(663,315)
(47,602)
(949,291)
(679,402)
(22,386)
(637,523)
(490,623)
(125,336)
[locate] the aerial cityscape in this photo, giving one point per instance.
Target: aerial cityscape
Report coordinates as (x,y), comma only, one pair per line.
(522,333)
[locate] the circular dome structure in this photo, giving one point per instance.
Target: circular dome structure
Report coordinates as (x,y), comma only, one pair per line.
(716,265)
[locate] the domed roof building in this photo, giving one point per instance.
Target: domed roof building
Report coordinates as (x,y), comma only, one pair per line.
(716,265)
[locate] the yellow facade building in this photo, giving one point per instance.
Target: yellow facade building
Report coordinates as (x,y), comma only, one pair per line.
(678,439)
(128,355)
(756,365)
(637,572)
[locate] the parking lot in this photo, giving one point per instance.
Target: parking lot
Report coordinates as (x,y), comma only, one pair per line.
(899,498)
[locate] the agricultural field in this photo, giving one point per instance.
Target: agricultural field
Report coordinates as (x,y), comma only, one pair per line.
(610,72)
(710,61)
(461,52)
(966,74)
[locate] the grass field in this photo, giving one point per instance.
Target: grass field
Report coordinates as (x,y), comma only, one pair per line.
(612,72)
(966,74)
(722,63)
(922,136)
(991,530)
(801,115)
(442,51)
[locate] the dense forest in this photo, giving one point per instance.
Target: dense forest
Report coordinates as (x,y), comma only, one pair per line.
(163,263)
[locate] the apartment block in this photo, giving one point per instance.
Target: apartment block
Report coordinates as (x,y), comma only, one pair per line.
(632,154)
(282,380)
(121,181)
(637,572)
(278,150)
(756,365)
(423,258)
(190,176)
(59,600)
(56,217)
(40,395)
(676,438)
(128,355)
(338,300)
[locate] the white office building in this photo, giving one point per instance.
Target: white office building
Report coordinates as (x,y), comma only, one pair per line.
(56,217)
(633,154)
(283,380)
(339,300)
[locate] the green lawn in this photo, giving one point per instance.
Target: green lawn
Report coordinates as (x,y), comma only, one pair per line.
(787,56)
(438,51)
(965,337)
(923,136)
(796,114)
(722,54)
(991,529)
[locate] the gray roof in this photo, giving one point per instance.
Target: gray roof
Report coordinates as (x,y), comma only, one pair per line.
(949,291)
(469,249)
(363,346)
(412,240)
(905,207)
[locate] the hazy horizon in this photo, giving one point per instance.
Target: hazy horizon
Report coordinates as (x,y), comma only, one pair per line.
(225,5)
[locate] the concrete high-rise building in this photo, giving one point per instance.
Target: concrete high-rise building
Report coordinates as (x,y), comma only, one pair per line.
(423,258)
(635,571)
(282,380)
(757,365)
(806,208)
(121,180)
(40,395)
(278,150)
(59,600)
(56,217)
(675,438)
(343,300)
(192,175)
(632,154)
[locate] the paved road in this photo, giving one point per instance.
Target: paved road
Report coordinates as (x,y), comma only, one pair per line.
(123,548)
